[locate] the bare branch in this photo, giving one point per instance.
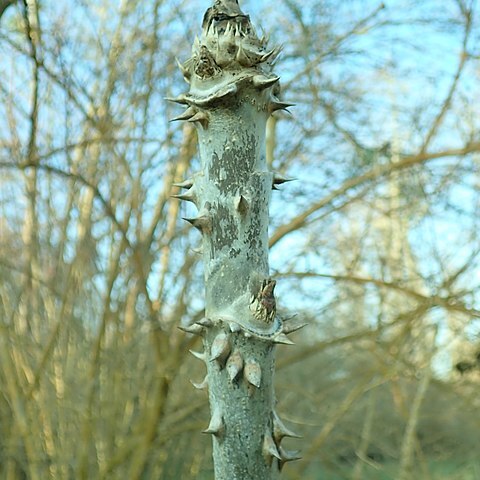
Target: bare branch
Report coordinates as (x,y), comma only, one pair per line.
(449,303)
(4,4)
(453,87)
(375,173)
(81,179)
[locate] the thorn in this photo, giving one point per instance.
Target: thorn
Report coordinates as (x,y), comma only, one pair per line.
(185,72)
(287,329)
(275,105)
(241,204)
(205,322)
(216,426)
(200,355)
(188,196)
(202,385)
(287,456)
(234,365)
(200,117)
(181,99)
(220,349)
(185,184)
(201,223)
(262,81)
(271,55)
(187,114)
(278,179)
(242,57)
(280,430)
(195,329)
(238,31)
(253,373)
(283,339)
(210,30)
(269,448)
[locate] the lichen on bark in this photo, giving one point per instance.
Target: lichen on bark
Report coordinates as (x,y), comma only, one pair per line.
(232,93)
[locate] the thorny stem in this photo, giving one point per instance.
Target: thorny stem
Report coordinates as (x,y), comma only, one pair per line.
(232,94)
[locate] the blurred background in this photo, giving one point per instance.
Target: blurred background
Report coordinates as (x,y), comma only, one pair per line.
(375,244)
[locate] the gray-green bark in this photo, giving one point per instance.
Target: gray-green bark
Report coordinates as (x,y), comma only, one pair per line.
(232,94)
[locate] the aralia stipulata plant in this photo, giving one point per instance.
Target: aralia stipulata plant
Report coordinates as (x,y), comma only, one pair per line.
(232,93)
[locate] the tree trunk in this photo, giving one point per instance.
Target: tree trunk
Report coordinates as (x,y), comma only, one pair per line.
(406,469)
(232,94)
(362,452)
